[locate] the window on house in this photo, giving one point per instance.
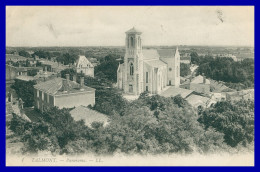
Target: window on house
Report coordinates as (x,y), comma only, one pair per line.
(170,69)
(146,88)
(131,69)
(170,82)
(42,96)
(48,97)
(146,77)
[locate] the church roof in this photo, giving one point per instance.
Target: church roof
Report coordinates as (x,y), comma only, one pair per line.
(167,53)
(82,60)
(150,54)
(133,30)
(155,63)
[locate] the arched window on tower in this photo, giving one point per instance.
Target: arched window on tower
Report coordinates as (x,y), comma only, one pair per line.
(139,42)
(132,41)
(131,69)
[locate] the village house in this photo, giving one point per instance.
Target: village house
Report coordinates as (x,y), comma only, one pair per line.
(199,84)
(55,67)
(238,95)
(83,65)
(63,93)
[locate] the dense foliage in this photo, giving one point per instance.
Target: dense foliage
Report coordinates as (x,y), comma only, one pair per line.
(67,58)
(42,54)
(235,120)
(24,90)
(185,69)
(235,74)
(24,53)
(150,124)
(108,67)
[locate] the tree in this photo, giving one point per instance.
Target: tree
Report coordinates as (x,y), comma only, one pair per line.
(185,69)
(24,90)
(109,67)
(42,54)
(24,53)
(194,58)
(234,120)
(32,72)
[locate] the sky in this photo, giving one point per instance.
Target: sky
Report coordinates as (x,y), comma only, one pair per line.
(106,26)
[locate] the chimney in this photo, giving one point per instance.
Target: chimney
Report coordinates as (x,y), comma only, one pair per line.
(81,83)
(65,85)
(204,78)
(67,77)
(74,78)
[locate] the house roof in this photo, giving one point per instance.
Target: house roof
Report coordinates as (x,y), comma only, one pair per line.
(88,116)
(172,91)
(56,86)
(25,78)
(150,54)
(133,30)
(166,53)
(82,60)
(155,63)
(54,64)
(199,80)
(15,58)
(196,100)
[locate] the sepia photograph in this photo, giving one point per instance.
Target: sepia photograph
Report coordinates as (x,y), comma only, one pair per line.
(130,86)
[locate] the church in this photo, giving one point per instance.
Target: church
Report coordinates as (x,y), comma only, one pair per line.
(148,70)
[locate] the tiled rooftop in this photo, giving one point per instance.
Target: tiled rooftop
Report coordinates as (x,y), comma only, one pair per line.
(199,80)
(88,115)
(172,91)
(55,86)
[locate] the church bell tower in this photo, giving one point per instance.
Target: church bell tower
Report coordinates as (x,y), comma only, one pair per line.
(133,62)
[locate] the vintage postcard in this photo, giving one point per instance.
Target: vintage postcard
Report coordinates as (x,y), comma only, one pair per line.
(129,86)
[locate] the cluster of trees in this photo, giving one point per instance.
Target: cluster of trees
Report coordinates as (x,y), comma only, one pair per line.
(24,53)
(108,67)
(185,69)
(24,90)
(67,58)
(234,120)
(42,54)
(235,74)
(148,125)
